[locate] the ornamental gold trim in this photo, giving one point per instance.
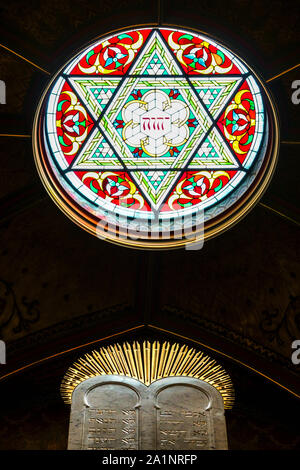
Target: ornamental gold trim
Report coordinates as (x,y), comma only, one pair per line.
(147,362)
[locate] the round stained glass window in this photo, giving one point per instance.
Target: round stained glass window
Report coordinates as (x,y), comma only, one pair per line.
(155,137)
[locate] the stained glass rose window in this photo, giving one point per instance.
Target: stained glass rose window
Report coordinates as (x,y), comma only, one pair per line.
(155,129)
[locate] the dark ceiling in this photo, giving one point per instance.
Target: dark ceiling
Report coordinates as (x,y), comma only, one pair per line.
(61,288)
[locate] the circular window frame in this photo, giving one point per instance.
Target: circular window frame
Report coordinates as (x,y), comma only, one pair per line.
(215,226)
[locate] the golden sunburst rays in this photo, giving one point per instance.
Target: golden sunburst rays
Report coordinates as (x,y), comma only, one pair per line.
(148,362)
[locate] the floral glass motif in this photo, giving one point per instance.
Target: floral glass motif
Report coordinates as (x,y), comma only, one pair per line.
(155,123)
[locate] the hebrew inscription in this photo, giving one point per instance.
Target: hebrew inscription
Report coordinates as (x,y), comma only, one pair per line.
(183,421)
(182,430)
(110,418)
(111,429)
(121,413)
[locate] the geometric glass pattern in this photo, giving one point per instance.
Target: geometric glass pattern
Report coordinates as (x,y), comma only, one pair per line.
(153,124)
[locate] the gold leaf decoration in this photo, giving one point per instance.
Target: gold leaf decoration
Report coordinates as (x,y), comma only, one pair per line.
(148,362)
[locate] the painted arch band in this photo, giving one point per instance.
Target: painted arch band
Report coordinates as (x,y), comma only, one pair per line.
(154,126)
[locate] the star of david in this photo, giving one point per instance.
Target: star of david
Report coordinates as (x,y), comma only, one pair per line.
(155,122)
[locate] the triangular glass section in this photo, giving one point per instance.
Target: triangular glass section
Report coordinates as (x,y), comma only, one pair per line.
(155,177)
(97,155)
(215,92)
(156,59)
(214,153)
(96,92)
(102,95)
(155,66)
(155,187)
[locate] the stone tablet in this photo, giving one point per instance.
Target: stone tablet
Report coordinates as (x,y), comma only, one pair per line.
(107,418)
(182,419)
(121,413)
